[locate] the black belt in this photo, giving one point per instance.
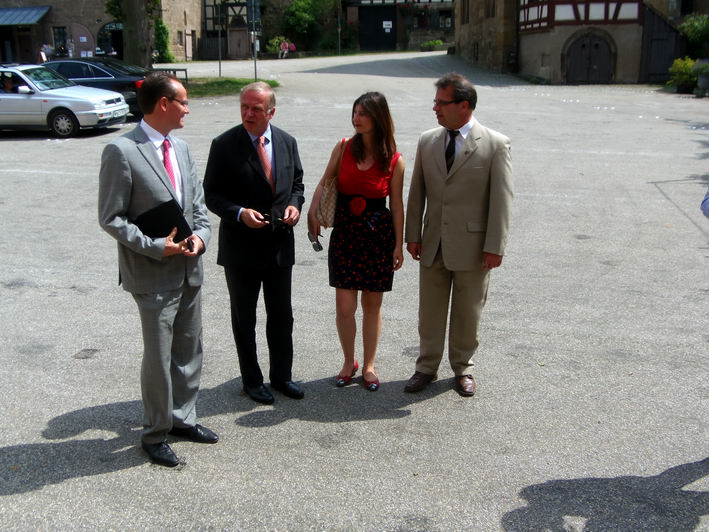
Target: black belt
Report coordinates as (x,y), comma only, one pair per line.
(372,204)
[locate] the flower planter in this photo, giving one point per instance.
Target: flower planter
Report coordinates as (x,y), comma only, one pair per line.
(703,81)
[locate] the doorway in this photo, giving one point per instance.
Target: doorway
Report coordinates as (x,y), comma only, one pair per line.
(589,59)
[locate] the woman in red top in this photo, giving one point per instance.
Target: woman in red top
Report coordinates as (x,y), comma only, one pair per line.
(366,242)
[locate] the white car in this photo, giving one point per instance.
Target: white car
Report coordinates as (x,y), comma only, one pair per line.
(32,96)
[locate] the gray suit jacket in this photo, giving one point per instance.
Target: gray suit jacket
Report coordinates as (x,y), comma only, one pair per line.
(467,210)
(132,181)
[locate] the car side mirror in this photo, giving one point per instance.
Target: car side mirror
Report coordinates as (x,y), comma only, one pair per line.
(24,89)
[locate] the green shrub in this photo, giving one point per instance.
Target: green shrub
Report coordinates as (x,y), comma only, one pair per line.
(431,44)
(681,74)
(274,45)
(162,41)
(696,28)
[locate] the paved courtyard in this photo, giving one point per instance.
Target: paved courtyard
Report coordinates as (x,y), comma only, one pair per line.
(592,411)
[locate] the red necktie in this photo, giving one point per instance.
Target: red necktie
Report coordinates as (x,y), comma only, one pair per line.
(166,161)
(265,161)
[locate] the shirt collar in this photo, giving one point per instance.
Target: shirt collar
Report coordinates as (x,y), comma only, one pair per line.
(153,134)
(266,134)
(466,128)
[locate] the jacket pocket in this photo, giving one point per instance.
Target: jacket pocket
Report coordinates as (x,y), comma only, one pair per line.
(476,227)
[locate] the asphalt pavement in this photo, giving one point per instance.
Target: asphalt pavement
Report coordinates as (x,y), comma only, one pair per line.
(592,404)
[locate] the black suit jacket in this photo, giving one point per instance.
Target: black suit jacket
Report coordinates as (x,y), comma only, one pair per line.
(234,179)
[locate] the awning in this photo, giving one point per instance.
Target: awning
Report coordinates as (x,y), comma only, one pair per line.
(22,16)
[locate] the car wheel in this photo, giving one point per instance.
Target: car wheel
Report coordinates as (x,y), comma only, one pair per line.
(63,123)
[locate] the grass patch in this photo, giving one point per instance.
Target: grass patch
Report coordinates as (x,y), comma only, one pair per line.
(205,87)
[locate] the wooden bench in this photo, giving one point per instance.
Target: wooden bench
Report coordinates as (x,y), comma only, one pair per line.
(177,72)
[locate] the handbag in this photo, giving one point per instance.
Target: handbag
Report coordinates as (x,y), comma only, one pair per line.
(325,212)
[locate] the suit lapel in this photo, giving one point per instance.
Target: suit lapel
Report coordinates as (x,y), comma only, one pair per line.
(279,156)
(147,149)
(439,151)
(469,147)
(185,176)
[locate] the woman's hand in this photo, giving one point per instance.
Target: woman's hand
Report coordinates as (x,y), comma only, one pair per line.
(313,223)
(398,258)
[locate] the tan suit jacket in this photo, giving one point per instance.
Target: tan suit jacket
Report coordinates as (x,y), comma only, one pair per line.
(463,213)
(467,210)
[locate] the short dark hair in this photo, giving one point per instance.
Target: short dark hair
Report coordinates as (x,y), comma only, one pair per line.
(155,86)
(463,90)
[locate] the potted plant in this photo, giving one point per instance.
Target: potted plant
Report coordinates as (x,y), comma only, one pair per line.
(430,46)
(701,69)
(682,76)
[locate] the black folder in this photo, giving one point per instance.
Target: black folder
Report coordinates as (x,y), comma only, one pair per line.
(160,220)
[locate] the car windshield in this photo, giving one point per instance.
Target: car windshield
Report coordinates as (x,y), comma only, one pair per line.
(124,68)
(46,79)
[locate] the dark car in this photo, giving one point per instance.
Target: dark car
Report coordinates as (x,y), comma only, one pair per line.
(103,73)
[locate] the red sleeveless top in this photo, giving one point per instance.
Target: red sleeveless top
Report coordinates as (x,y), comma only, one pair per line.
(370,183)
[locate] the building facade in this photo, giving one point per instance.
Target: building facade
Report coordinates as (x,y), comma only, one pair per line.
(575,41)
(401,24)
(68,28)
(487,34)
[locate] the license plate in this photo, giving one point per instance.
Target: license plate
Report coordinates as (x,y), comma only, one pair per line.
(116,114)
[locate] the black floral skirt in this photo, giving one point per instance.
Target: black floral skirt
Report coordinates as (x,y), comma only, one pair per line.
(361,248)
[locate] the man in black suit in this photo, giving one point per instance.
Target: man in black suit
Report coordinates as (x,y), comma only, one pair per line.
(254,183)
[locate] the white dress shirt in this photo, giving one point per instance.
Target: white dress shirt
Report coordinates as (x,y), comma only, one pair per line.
(463,133)
(157,139)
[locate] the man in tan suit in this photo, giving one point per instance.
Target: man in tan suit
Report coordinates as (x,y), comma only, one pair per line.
(463,179)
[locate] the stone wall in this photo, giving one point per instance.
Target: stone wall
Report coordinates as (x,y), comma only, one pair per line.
(183,19)
(487,41)
(541,53)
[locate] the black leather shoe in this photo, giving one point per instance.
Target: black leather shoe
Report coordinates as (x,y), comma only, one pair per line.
(160,453)
(289,389)
(260,394)
(197,434)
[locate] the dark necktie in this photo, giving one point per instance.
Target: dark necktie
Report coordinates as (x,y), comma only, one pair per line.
(450,149)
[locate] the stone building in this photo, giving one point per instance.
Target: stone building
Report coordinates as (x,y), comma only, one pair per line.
(574,41)
(487,33)
(81,29)
(401,24)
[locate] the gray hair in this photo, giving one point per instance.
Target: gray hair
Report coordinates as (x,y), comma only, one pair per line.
(261,86)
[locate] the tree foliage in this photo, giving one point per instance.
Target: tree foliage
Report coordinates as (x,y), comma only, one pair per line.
(299,19)
(138,18)
(695,28)
(312,24)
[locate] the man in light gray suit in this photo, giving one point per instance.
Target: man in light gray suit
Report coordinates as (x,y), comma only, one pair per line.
(463,178)
(141,170)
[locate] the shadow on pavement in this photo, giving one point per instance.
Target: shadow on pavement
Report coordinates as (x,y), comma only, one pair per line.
(326,403)
(621,503)
(423,67)
(28,467)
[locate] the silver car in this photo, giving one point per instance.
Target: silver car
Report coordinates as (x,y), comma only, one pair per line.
(32,96)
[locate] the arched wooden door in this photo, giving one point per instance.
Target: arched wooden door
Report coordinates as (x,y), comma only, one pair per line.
(589,60)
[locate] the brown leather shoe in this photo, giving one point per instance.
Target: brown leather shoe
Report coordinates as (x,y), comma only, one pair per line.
(465,385)
(419,381)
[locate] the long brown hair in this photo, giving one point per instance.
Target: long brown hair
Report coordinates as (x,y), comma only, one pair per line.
(375,105)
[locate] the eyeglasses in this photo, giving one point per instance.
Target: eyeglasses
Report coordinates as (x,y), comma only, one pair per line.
(183,103)
(441,103)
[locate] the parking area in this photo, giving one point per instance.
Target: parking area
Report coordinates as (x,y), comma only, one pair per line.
(592,402)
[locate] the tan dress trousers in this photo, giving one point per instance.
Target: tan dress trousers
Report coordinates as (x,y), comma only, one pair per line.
(467,293)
